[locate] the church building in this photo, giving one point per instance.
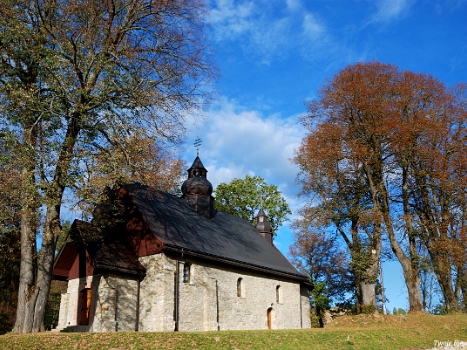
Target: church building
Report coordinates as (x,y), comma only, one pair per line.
(152,261)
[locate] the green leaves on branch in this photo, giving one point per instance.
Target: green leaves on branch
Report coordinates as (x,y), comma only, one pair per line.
(245,197)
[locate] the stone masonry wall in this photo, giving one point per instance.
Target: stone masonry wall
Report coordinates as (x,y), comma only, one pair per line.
(157,294)
(209,300)
(114,304)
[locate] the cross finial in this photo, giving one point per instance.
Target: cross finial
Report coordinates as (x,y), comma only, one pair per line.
(197,144)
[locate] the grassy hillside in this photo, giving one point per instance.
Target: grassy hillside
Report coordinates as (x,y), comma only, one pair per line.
(356,332)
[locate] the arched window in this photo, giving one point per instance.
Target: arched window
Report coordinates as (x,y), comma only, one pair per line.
(240,287)
(278,294)
(186,273)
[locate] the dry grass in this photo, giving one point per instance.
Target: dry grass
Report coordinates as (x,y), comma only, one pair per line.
(356,332)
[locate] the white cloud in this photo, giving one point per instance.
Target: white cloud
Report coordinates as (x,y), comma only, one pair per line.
(237,142)
(388,10)
(311,26)
(230,19)
(267,29)
(294,5)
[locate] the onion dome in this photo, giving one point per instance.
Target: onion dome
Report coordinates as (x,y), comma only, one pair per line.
(197,183)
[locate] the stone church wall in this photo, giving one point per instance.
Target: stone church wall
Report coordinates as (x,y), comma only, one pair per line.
(115,304)
(210,301)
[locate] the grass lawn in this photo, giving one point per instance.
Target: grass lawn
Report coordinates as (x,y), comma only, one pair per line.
(349,332)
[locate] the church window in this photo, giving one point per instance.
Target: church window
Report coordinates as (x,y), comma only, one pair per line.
(240,292)
(278,294)
(186,273)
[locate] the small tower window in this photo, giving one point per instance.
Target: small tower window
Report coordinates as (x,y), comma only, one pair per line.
(240,287)
(278,294)
(186,273)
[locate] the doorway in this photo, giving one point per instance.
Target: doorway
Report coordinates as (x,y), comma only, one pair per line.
(85,306)
(270,318)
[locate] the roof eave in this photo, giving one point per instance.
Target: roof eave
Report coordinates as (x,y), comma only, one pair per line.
(232,262)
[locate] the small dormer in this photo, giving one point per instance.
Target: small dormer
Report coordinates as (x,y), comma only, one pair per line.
(263,226)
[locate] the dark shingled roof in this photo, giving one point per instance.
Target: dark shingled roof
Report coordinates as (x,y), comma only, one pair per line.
(223,238)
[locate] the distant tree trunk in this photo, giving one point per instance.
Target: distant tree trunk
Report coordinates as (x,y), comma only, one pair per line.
(410,265)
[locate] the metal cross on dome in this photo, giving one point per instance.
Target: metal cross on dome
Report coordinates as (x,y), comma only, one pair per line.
(197,144)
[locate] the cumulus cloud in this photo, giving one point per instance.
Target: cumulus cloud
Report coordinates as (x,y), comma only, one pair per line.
(237,142)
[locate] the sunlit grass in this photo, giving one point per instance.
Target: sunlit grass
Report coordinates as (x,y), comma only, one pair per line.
(357,332)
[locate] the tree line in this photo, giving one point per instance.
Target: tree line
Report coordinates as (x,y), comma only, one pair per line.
(384,159)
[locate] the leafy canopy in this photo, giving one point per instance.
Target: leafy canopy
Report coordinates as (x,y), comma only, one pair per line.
(245,197)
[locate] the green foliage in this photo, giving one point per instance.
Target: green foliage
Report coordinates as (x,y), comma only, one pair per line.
(245,197)
(319,296)
(399,311)
(441,309)
(367,309)
(9,228)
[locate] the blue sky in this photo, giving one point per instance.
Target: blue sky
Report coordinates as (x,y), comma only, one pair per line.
(274,55)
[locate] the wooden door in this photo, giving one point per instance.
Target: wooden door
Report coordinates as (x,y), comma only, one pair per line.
(85,306)
(270,318)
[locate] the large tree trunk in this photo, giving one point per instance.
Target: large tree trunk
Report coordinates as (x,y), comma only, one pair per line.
(38,303)
(365,289)
(368,295)
(35,302)
(27,265)
(28,232)
(443,274)
(410,270)
(412,282)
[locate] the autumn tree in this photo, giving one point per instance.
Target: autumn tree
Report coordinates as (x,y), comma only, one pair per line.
(323,260)
(245,197)
(134,158)
(9,232)
(340,203)
(86,75)
(391,127)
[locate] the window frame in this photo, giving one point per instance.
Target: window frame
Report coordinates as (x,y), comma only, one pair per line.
(186,273)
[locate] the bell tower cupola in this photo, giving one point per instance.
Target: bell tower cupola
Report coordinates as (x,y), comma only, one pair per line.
(197,190)
(263,226)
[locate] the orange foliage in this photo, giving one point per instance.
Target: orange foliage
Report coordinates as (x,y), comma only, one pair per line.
(386,152)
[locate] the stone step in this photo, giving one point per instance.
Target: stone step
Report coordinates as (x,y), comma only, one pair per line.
(77,328)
